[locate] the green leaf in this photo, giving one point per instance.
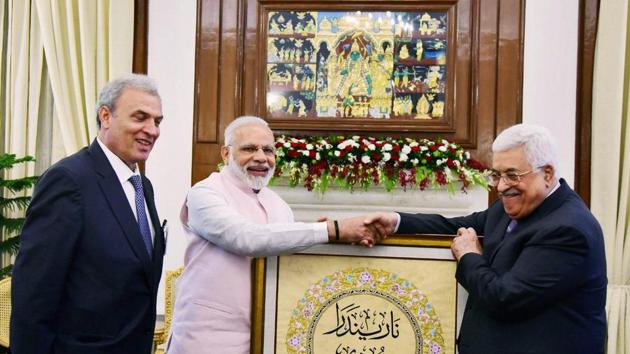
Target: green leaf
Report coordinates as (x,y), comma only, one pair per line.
(17,185)
(9,160)
(14,204)
(6,271)
(10,245)
(10,224)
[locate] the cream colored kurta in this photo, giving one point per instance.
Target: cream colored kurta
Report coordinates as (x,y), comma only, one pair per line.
(212,310)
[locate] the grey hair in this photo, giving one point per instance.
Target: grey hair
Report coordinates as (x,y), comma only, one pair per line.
(113,89)
(241,122)
(540,148)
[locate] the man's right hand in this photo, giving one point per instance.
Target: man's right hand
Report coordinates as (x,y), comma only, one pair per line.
(365,230)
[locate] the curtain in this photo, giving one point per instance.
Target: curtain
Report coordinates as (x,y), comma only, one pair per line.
(610,162)
(21,84)
(87,43)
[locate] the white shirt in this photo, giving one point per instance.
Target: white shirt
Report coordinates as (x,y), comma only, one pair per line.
(123,172)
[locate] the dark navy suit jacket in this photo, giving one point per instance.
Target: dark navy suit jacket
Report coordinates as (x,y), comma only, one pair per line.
(83,281)
(541,289)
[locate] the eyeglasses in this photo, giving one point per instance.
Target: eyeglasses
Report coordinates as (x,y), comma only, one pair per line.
(251,149)
(510,178)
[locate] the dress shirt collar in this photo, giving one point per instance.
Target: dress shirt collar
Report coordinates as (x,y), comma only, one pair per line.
(123,172)
(554,188)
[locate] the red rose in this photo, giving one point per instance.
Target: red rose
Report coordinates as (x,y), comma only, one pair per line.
(415,148)
(293,153)
(433,147)
(396,148)
(450,163)
(312,154)
(376,156)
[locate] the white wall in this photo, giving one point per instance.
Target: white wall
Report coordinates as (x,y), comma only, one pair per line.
(550,64)
(171,63)
(548,95)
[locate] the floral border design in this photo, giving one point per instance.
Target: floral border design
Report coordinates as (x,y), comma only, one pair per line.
(363,280)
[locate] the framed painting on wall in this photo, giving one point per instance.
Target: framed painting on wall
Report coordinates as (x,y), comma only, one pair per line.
(398,297)
(378,69)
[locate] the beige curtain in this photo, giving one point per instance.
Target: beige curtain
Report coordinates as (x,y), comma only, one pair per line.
(610,186)
(87,43)
(22,87)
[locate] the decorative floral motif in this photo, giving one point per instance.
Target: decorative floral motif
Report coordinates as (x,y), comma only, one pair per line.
(362,161)
(364,280)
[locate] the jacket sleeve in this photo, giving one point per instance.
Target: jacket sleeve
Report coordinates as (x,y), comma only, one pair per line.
(49,236)
(438,224)
(550,267)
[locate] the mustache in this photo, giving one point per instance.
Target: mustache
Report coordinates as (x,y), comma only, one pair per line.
(509,191)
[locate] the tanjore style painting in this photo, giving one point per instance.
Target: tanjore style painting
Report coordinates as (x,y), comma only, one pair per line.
(388,65)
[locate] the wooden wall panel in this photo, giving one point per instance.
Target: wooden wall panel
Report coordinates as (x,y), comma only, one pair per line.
(488,71)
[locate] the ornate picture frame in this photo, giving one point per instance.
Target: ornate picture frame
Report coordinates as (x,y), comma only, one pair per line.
(401,67)
(399,296)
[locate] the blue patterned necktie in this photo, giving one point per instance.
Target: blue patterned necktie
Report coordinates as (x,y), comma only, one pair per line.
(143,222)
(511,226)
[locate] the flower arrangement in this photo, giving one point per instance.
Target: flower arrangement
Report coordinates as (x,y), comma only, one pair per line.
(363,161)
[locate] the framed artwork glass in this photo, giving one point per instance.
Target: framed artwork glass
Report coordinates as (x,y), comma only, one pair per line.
(357,64)
(397,297)
(381,67)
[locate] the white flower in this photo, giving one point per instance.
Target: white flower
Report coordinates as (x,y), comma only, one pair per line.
(309,146)
(443,148)
(317,157)
(371,147)
(305,152)
(387,147)
(467,154)
(440,162)
(386,156)
(403,157)
(423,148)
(337,153)
(406,149)
(355,137)
(365,159)
(445,142)
(287,145)
(413,143)
(415,161)
(351,158)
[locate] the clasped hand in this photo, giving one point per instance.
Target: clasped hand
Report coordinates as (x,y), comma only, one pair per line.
(365,230)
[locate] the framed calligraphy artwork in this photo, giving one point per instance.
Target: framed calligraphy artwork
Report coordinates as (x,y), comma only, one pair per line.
(398,297)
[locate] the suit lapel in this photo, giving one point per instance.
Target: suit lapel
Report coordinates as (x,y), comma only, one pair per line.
(118,203)
(158,241)
(497,238)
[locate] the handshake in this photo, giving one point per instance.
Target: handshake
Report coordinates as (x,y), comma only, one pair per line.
(365,230)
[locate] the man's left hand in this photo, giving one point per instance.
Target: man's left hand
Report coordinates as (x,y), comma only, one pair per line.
(465,242)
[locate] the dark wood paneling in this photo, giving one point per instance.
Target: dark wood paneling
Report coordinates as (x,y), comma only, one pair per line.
(140,36)
(587,33)
(487,70)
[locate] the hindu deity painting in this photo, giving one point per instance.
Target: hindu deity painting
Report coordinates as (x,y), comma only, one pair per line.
(381,65)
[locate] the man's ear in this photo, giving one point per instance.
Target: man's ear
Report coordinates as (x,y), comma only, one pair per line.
(225,151)
(104,115)
(549,172)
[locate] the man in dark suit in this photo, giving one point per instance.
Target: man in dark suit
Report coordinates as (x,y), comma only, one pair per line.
(90,260)
(539,283)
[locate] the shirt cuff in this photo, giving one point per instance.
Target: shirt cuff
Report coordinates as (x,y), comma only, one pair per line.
(397,223)
(321,232)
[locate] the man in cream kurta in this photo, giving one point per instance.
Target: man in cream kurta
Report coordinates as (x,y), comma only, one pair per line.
(230,217)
